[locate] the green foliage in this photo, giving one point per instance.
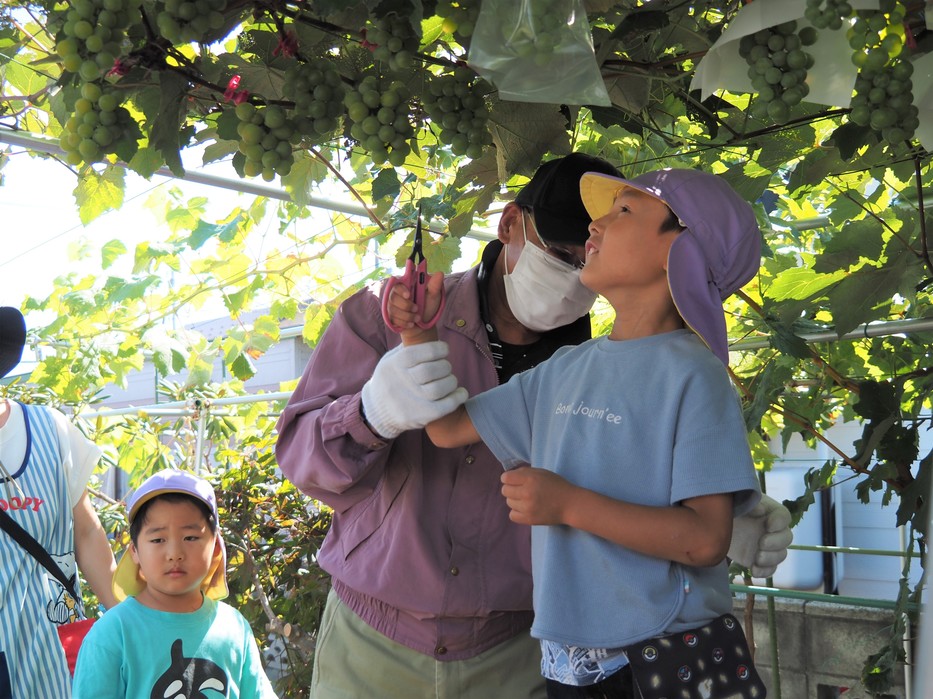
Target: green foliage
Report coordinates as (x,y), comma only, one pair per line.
(272,533)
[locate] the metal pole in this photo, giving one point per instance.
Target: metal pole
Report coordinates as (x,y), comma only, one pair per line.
(51,147)
(200,409)
(876,329)
(181,407)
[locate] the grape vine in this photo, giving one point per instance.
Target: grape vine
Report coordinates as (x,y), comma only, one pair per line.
(379,110)
(778,68)
(393,40)
(186,21)
(318,92)
(93,34)
(454,104)
(99,125)
(265,140)
(537,36)
(883,95)
(459,17)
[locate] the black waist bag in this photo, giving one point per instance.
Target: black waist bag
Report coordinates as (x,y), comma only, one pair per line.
(709,662)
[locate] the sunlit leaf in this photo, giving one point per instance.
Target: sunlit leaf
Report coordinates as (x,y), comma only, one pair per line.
(111,251)
(802,283)
(97,193)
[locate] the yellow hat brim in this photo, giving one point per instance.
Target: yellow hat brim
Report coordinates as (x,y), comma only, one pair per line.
(598,191)
(127,581)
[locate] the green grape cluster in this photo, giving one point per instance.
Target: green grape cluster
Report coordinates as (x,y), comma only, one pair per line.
(537,37)
(883,95)
(93,34)
(827,14)
(266,137)
(393,41)
(459,16)
(777,67)
(378,110)
(187,21)
(318,92)
(453,103)
(877,36)
(96,126)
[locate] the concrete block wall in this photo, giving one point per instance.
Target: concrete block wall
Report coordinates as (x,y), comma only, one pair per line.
(822,647)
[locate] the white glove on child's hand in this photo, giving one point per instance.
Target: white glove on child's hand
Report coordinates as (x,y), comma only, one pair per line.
(411,387)
(761,537)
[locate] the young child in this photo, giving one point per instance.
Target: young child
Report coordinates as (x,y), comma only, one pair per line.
(638,450)
(170,636)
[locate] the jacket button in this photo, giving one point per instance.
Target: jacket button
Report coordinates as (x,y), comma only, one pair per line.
(470,459)
(455,571)
(441,650)
(460,322)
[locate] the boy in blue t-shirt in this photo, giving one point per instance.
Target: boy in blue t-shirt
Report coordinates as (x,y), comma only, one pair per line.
(638,450)
(170,636)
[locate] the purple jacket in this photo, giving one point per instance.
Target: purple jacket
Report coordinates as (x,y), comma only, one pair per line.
(421,546)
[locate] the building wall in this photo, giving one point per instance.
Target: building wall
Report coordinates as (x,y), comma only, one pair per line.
(821,648)
(860,525)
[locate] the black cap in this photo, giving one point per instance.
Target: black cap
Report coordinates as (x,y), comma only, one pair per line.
(12,338)
(553,195)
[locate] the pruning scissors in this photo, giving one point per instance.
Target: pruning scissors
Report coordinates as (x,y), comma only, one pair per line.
(415,279)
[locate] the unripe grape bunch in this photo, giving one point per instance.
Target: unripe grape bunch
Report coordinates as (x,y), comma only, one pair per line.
(379,119)
(883,94)
(455,106)
(318,93)
(187,21)
(93,35)
(827,14)
(393,41)
(96,126)
(458,18)
(266,137)
(777,68)
(537,36)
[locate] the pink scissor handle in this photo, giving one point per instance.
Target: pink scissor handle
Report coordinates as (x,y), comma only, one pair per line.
(415,279)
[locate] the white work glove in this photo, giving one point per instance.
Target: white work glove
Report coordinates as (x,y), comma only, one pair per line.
(761,537)
(411,387)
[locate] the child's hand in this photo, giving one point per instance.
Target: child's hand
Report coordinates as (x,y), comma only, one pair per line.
(535,495)
(403,312)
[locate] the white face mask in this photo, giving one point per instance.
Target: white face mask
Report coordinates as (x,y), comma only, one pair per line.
(543,292)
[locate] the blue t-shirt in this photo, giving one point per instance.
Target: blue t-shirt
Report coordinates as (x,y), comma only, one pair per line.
(652,421)
(135,652)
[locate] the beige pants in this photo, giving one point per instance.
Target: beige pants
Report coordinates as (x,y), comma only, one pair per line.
(353,661)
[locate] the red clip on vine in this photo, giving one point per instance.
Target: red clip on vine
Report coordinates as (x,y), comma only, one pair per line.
(287,46)
(231,94)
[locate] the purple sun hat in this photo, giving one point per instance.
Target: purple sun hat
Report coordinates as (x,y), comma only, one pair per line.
(717,253)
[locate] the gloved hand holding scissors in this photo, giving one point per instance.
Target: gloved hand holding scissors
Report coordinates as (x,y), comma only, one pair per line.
(412,385)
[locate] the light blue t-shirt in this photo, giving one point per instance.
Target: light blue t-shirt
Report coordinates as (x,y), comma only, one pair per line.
(134,652)
(652,421)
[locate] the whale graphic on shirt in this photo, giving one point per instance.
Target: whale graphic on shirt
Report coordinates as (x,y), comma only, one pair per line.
(189,678)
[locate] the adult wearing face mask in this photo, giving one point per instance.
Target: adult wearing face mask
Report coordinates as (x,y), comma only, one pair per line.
(431,581)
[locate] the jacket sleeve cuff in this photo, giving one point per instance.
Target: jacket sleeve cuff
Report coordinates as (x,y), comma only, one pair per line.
(359,430)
